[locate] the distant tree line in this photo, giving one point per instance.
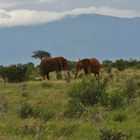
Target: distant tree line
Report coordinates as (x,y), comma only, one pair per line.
(24,72)
(122,64)
(16,73)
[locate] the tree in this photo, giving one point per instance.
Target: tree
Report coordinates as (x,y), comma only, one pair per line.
(40,54)
(107,63)
(120,64)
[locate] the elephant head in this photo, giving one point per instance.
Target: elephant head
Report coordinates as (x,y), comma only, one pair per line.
(82,64)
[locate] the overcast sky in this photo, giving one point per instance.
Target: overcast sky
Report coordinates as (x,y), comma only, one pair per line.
(28,12)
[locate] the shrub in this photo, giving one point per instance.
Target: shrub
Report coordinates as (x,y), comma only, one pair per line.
(59,76)
(25,110)
(30,129)
(3,104)
(74,109)
(116,100)
(130,90)
(46,115)
(15,73)
(109,134)
(46,85)
(66,130)
(120,64)
(24,91)
(120,117)
(88,92)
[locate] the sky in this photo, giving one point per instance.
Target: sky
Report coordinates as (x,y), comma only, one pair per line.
(30,12)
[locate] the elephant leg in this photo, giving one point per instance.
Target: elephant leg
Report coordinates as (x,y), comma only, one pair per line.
(44,76)
(48,76)
(87,71)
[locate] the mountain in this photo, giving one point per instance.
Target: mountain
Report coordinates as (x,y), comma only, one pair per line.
(74,37)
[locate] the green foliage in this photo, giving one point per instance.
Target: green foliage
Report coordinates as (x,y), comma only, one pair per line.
(15,73)
(46,115)
(116,101)
(3,104)
(107,63)
(88,92)
(74,109)
(40,54)
(72,65)
(55,112)
(24,91)
(130,90)
(29,129)
(120,64)
(109,134)
(120,117)
(46,84)
(26,110)
(66,130)
(59,76)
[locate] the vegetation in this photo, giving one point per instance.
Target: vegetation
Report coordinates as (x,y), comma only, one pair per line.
(81,109)
(40,54)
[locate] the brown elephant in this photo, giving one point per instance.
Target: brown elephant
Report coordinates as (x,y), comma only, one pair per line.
(56,64)
(89,65)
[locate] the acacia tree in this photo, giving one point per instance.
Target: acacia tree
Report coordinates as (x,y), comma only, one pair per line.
(40,54)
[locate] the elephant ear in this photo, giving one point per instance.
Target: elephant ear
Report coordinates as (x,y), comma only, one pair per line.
(86,63)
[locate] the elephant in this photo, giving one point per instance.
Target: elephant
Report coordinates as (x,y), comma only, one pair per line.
(89,65)
(56,64)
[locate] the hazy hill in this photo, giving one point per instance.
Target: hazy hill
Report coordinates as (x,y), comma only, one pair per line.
(98,36)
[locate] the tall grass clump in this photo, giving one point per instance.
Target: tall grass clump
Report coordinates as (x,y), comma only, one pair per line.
(3,104)
(29,129)
(116,101)
(130,90)
(112,134)
(25,111)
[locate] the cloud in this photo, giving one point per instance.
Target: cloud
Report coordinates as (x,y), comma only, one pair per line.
(31,17)
(14,3)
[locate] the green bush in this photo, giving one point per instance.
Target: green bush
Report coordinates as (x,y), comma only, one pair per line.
(88,92)
(120,117)
(109,134)
(116,101)
(46,84)
(120,64)
(59,76)
(66,130)
(26,110)
(46,115)
(29,129)
(3,104)
(74,109)
(130,90)
(15,73)
(24,90)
